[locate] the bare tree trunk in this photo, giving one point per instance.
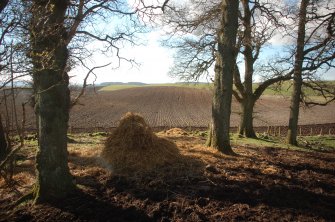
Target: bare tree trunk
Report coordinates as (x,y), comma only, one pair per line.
(246,122)
(224,65)
(3,142)
(297,79)
(248,102)
(49,55)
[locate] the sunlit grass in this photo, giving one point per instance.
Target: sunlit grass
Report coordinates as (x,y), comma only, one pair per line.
(305,143)
(286,89)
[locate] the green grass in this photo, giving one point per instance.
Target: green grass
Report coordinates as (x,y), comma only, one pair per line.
(286,89)
(324,143)
(318,143)
(261,141)
(306,143)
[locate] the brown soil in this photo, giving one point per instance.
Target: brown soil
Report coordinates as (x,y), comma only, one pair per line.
(258,184)
(183,107)
(178,107)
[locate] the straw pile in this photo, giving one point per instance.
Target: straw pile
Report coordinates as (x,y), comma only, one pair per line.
(176,132)
(133,147)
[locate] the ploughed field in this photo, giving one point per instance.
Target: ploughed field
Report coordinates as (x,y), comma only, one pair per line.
(169,106)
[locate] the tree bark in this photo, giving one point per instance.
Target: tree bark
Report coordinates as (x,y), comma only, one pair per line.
(3,142)
(246,122)
(49,55)
(224,65)
(297,78)
(248,102)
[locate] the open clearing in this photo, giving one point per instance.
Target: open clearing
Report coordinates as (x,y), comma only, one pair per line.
(261,183)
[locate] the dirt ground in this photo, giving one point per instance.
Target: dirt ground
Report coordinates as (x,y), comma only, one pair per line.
(258,184)
(177,107)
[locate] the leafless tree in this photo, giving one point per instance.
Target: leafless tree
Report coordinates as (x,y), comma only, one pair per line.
(259,20)
(192,34)
(60,31)
(193,37)
(10,49)
(205,34)
(223,84)
(314,50)
(12,46)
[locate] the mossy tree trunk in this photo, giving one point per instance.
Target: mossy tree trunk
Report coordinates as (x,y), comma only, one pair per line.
(49,55)
(223,83)
(297,78)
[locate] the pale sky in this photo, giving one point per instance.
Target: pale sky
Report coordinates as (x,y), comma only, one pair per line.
(153,61)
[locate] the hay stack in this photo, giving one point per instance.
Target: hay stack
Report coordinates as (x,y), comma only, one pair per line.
(133,147)
(176,132)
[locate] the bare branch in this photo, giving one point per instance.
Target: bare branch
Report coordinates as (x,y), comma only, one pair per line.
(263,86)
(82,91)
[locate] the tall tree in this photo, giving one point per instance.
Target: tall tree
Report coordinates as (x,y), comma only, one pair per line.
(3,142)
(193,35)
(258,25)
(49,55)
(196,53)
(314,51)
(247,103)
(56,28)
(297,79)
(11,68)
(223,82)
